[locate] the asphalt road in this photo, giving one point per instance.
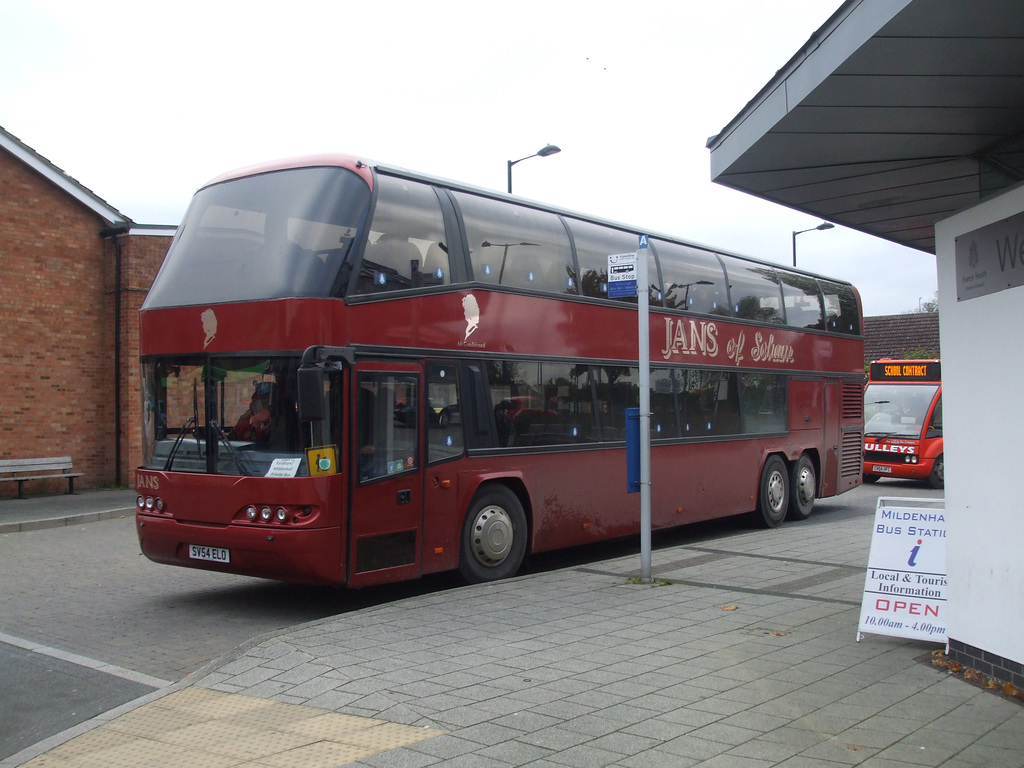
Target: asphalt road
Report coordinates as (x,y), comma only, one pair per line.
(87,623)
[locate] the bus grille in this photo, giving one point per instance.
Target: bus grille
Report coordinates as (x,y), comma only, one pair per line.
(853,401)
(852,456)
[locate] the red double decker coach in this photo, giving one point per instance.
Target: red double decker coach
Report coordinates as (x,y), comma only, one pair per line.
(354,374)
(903,429)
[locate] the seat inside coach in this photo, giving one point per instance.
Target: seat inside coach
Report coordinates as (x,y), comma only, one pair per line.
(389,264)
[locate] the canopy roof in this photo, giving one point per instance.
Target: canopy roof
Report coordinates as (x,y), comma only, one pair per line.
(895,114)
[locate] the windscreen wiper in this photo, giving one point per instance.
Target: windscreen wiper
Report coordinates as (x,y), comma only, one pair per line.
(189,422)
(193,422)
(235,455)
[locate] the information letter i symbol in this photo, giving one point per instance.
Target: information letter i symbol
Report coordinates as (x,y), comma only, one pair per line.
(913,554)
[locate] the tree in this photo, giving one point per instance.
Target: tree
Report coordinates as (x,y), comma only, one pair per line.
(932,306)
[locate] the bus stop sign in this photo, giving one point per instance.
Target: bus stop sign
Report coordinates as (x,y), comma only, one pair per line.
(621,275)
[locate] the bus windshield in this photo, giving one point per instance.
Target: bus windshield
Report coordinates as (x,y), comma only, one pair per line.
(275,235)
(228,415)
(897,410)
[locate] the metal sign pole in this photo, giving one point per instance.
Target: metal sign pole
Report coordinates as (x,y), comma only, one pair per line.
(643,333)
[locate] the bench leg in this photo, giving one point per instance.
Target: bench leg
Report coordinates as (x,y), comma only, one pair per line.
(71,485)
(20,494)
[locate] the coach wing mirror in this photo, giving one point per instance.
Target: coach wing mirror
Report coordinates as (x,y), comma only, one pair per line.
(311,394)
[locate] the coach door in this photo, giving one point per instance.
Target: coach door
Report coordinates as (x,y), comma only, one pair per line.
(385,516)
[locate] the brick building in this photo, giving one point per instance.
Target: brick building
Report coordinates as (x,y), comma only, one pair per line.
(73,274)
(914,335)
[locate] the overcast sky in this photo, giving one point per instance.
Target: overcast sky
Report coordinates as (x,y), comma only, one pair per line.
(144,102)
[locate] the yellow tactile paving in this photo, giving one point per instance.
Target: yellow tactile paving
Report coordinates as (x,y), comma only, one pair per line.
(200,728)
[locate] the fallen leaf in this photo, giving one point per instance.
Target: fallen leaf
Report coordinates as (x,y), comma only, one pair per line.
(730,607)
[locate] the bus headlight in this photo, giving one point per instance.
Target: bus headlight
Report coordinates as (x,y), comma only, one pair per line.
(250,512)
(281,514)
(265,514)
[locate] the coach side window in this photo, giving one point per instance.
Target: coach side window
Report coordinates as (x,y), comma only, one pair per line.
(803,301)
(617,389)
(709,402)
(764,402)
(594,244)
(444,414)
(754,291)
(406,247)
(842,313)
(515,246)
(694,279)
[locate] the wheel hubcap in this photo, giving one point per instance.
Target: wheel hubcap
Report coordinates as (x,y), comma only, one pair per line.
(805,486)
(492,536)
(776,491)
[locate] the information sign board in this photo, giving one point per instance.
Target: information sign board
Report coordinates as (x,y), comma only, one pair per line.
(905,584)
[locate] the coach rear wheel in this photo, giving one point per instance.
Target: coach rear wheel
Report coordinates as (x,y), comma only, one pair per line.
(773,494)
(803,485)
(493,536)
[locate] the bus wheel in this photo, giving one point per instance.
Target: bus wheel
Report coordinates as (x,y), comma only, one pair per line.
(803,485)
(493,536)
(937,479)
(773,496)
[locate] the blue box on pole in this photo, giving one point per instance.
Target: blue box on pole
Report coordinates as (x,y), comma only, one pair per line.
(633,450)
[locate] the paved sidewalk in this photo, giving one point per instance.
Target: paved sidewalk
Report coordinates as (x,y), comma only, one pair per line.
(743,653)
(37,512)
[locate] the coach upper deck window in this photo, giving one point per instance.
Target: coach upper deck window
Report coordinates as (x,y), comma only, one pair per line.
(515,246)
(406,247)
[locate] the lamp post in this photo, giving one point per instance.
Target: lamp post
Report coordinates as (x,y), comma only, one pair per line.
(550,149)
(823,225)
(504,254)
(688,286)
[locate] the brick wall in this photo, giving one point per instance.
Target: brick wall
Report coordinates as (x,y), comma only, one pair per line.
(57,293)
(141,257)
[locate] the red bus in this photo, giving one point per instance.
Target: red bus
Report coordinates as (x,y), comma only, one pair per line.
(354,374)
(903,421)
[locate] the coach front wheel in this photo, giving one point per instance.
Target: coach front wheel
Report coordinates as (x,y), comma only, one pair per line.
(493,536)
(937,478)
(773,493)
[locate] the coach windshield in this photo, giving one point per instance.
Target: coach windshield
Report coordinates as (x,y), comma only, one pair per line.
(274,235)
(232,416)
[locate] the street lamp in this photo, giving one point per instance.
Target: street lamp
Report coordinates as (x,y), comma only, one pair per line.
(550,149)
(504,253)
(823,225)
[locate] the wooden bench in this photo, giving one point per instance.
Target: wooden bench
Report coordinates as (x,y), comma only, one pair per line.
(20,470)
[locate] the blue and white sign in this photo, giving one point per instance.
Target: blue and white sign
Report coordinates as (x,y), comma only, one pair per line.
(621,275)
(905,585)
